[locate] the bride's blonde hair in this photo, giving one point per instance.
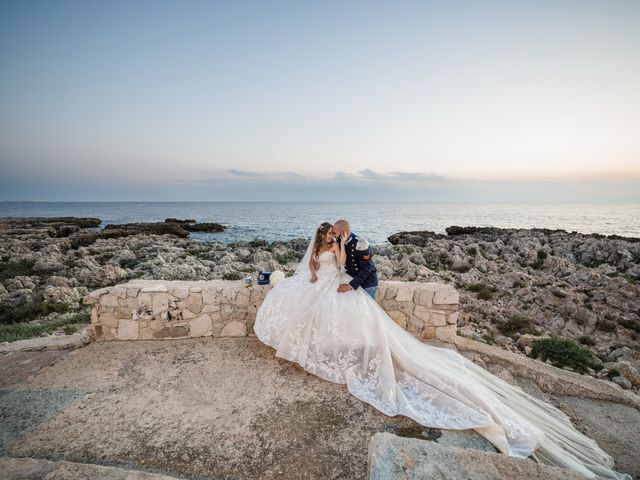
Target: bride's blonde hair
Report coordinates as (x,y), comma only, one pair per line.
(320,233)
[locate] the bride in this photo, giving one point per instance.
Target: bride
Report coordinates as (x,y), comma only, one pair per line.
(347,338)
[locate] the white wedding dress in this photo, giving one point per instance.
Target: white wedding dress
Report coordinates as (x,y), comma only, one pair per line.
(348,338)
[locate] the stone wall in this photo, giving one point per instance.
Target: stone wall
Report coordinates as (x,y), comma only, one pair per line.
(427,310)
(158,309)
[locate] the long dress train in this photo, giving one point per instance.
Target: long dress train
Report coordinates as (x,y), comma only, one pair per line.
(348,338)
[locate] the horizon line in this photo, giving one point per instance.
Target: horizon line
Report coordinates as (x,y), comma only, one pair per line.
(323,201)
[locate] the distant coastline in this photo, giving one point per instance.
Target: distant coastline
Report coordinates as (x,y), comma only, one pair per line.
(374,220)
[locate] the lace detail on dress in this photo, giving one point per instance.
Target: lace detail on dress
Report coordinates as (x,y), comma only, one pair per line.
(367,387)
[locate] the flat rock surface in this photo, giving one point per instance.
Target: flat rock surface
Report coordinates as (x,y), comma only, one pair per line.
(614,426)
(50,342)
(37,469)
(393,457)
(206,408)
(19,365)
(210,408)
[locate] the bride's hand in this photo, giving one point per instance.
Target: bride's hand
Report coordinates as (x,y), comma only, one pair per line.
(313,278)
(344,237)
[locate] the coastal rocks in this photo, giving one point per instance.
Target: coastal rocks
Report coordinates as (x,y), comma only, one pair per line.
(574,285)
(55,294)
(622,381)
(50,264)
(190,225)
(203,227)
(173,227)
(420,239)
(503,340)
(91,274)
(26,228)
(57,281)
(29,223)
(623,373)
(624,353)
(124,256)
(156,228)
(19,282)
(155,309)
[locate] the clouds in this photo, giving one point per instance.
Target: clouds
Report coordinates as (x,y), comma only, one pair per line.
(340,187)
(367,185)
(370,185)
(363,178)
(391,177)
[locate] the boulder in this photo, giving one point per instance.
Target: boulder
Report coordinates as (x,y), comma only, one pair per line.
(398,458)
(628,371)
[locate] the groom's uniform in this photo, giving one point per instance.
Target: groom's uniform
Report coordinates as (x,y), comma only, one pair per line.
(359,264)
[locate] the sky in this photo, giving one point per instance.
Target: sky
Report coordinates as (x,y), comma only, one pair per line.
(345,101)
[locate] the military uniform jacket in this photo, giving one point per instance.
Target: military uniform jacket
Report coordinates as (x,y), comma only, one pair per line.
(359,263)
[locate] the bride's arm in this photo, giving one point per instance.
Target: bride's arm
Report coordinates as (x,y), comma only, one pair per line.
(312,268)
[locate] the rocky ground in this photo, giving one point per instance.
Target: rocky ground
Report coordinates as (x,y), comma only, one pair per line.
(515,285)
(219,408)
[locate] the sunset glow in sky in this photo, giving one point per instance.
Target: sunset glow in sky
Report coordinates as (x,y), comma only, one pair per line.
(470,101)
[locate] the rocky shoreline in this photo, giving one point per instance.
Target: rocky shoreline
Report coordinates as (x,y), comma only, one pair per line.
(515,285)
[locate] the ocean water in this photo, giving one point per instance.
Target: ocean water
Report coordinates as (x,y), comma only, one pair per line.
(374,221)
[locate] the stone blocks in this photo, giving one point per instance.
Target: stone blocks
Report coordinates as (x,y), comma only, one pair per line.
(159,309)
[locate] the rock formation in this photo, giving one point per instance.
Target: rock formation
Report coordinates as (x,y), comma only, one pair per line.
(514,285)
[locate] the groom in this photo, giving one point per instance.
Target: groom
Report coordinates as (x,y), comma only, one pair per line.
(359,263)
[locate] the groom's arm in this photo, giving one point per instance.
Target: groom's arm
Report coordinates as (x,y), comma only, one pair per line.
(365,265)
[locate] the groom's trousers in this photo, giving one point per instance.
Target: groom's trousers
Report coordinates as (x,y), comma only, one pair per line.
(371,291)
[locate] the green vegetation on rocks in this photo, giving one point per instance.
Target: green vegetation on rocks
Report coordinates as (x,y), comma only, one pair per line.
(14,269)
(29,311)
(20,331)
(232,276)
(485,292)
(563,352)
(541,257)
(517,324)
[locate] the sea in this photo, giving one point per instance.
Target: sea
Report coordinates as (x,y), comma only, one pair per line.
(374,221)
